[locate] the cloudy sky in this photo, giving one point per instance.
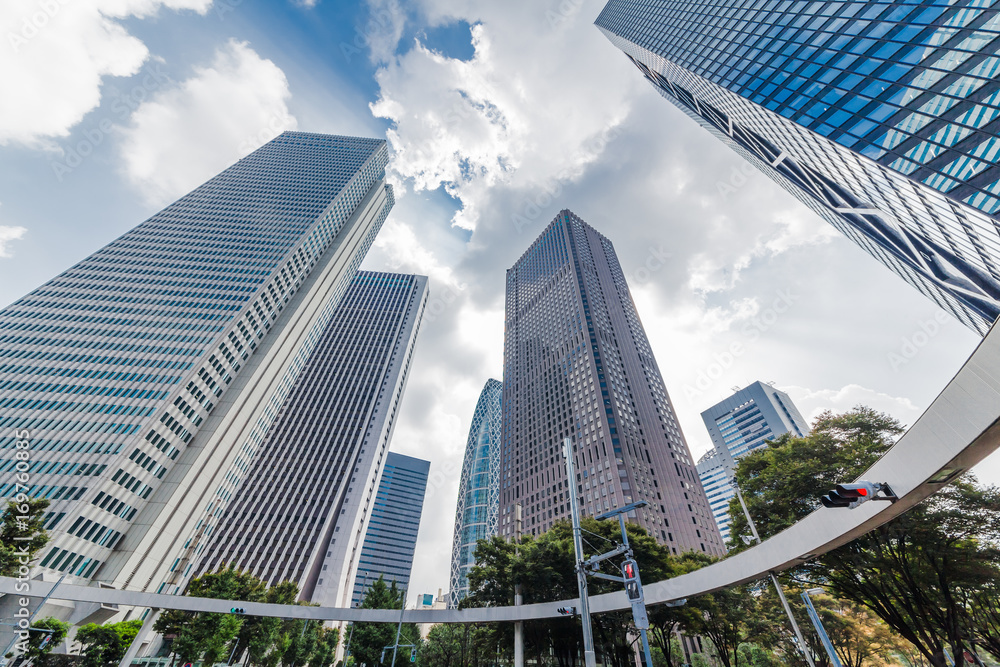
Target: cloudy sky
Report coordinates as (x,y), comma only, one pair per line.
(498,115)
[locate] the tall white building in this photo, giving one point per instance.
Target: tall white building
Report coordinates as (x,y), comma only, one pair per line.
(146,377)
(738,425)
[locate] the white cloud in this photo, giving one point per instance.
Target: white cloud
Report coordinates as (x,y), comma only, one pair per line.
(8,234)
(56,54)
(187,133)
(812,402)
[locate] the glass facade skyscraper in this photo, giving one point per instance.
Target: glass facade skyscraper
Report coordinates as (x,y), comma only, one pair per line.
(742,423)
(391,537)
(478,505)
(881,117)
(144,378)
(305,501)
(578,365)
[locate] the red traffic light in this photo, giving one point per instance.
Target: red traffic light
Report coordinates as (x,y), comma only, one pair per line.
(628,568)
(852,495)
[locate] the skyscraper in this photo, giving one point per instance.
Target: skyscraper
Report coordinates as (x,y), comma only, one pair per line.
(476,512)
(742,423)
(577,364)
(302,509)
(146,376)
(391,536)
(882,118)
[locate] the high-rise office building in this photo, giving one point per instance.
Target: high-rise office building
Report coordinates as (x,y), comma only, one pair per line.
(742,423)
(391,536)
(307,498)
(577,364)
(476,512)
(881,117)
(145,377)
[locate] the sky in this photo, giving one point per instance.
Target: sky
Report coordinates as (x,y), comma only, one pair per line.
(498,115)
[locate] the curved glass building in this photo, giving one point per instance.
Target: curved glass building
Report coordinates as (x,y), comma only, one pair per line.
(479,489)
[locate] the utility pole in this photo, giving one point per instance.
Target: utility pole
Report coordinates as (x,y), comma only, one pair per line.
(347,649)
(399,629)
(818,624)
(774,578)
(589,657)
(518,625)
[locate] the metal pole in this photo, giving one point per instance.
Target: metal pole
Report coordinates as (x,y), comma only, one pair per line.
(589,657)
(818,624)
(147,625)
(645,648)
(399,629)
(774,579)
(41,604)
(518,598)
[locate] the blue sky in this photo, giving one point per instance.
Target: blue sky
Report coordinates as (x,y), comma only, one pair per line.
(498,115)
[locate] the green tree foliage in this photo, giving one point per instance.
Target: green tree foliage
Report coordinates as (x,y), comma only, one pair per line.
(454,645)
(21,534)
(918,572)
(36,653)
(369,639)
(105,645)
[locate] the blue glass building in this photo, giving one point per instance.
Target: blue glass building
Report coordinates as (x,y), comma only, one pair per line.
(144,378)
(881,117)
(476,513)
(742,423)
(391,536)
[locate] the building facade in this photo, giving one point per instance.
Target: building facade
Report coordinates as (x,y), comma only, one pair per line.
(477,510)
(742,423)
(577,364)
(882,118)
(391,536)
(144,378)
(304,506)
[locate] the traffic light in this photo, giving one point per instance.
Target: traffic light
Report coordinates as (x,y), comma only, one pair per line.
(567,611)
(413,654)
(237,610)
(852,495)
(45,641)
(633,589)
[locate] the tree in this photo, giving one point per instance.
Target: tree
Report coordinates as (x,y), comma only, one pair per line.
(36,652)
(665,622)
(21,534)
(207,636)
(369,639)
(728,617)
(105,645)
(912,571)
(259,634)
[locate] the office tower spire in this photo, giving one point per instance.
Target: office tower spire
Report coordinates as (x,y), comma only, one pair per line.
(479,489)
(882,118)
(147,375)
(577,364)
(301,511)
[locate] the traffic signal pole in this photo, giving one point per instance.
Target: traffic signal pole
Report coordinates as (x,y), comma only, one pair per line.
(774,579)
(589,657)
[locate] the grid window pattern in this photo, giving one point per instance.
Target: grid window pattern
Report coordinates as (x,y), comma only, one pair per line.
(312,485)
(882,117)
(112,366)
(476,514)
(742,423)
(391,537)
(577,364)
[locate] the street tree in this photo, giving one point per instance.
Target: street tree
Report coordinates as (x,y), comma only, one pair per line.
(40,643)
(22,534)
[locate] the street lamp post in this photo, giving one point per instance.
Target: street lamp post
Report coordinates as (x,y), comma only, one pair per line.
(818,624)
(589,657)
(774,578)
(347,649)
